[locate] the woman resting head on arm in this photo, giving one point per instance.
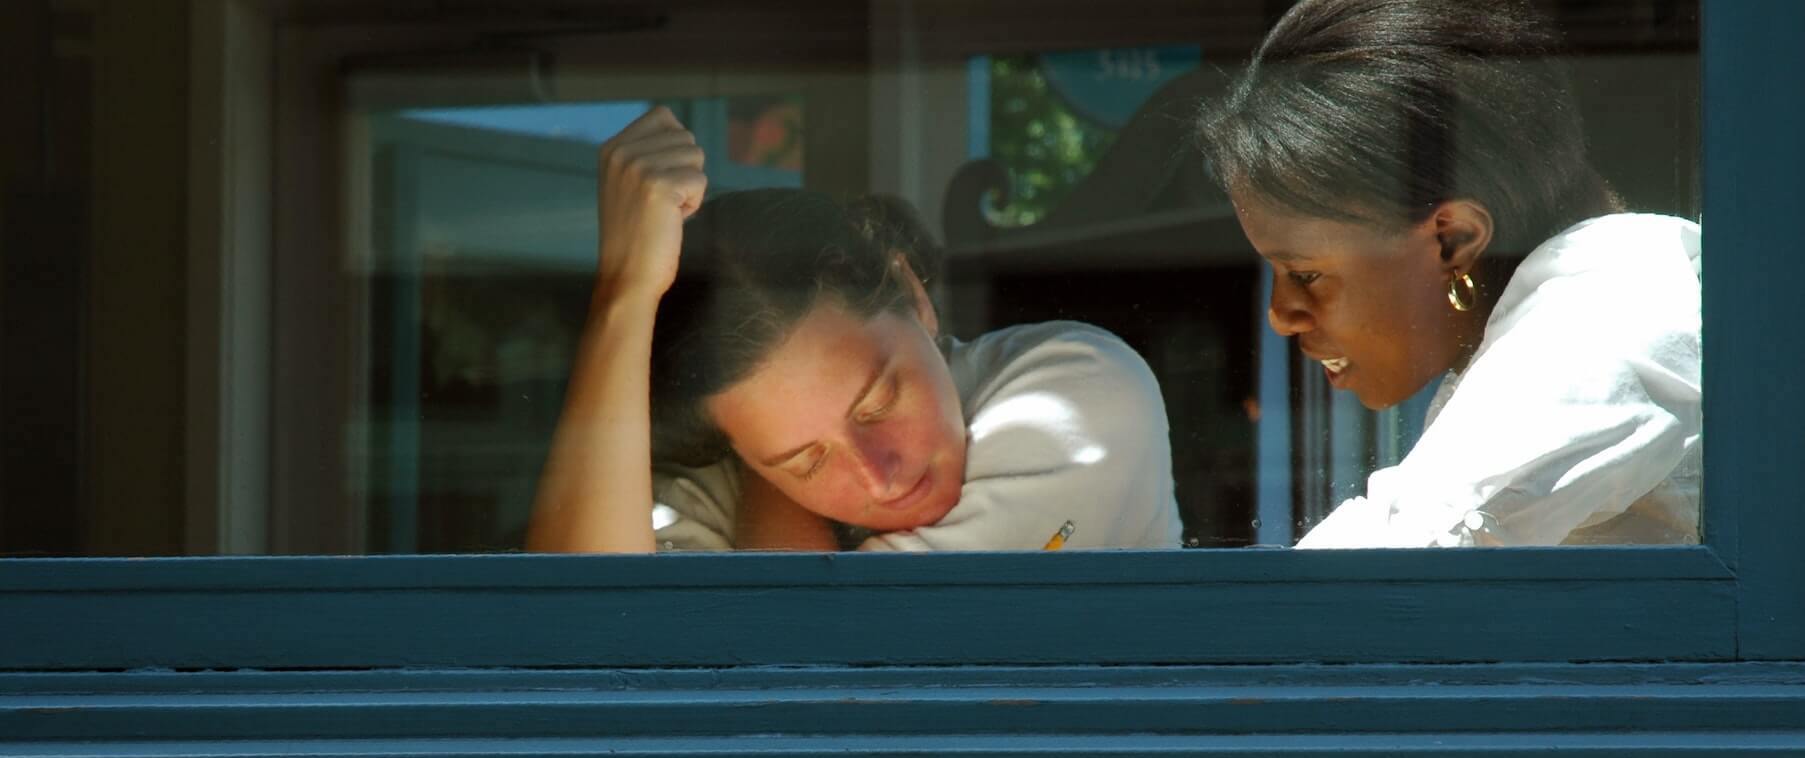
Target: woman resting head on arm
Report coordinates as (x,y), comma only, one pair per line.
(1415,172)
(799,395)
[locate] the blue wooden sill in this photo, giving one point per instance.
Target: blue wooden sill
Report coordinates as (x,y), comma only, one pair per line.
(1189,607)
(1499,709)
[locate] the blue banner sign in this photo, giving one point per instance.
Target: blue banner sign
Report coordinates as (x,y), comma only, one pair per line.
(1107,85)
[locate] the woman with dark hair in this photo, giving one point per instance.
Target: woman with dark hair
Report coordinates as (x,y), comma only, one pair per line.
(1415,172)
(770,374)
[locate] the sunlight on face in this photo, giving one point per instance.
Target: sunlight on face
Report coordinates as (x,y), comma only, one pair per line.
(1369,304)
(856,420)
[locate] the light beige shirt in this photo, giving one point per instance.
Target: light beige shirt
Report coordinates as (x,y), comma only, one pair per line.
(1065,422)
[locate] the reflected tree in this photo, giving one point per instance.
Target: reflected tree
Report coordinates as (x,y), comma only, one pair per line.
(1047,148)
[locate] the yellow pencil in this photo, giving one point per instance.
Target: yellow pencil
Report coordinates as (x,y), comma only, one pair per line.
(1059,537)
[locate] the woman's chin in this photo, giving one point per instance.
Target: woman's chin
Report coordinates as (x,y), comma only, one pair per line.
(931,508)
(1383,398)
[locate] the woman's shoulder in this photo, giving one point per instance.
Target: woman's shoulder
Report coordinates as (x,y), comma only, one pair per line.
(1046,345)
(1612,271)
(1626,245)
(1061,357)
(1608,310)
(1046,339)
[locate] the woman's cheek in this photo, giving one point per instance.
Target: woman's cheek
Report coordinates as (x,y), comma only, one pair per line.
(939,413)
(928,434)
(833,494)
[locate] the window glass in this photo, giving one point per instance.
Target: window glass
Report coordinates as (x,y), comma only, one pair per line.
(1115,315)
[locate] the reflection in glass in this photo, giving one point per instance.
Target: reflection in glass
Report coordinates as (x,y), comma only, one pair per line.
(370,294)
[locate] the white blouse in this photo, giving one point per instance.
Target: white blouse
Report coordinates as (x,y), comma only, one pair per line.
(1577,420)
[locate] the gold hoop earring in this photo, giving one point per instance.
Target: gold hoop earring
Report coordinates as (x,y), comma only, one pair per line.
(1462,302)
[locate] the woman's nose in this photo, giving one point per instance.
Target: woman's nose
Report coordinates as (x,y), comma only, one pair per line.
(1286,311)
(877,462)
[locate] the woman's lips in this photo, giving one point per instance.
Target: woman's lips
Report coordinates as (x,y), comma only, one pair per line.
(907,499)
(1336,370)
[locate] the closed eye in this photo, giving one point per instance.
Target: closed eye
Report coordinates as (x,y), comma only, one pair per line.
(892,393)
(814,465)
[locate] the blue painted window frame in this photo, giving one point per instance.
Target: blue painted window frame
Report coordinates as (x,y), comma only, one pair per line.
(1737,597)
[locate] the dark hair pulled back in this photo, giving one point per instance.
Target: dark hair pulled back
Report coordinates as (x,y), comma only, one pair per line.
(1378,111)
(753,264)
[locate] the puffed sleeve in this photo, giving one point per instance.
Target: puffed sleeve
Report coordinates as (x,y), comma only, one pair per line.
(1072,428)
(692,508)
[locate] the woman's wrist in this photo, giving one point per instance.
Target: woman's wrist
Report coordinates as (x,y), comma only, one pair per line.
(617,294)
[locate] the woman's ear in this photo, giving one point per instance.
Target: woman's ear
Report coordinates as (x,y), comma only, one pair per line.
(924,305)
(1464,230)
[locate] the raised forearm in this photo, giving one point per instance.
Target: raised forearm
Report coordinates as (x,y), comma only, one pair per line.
(595,494)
